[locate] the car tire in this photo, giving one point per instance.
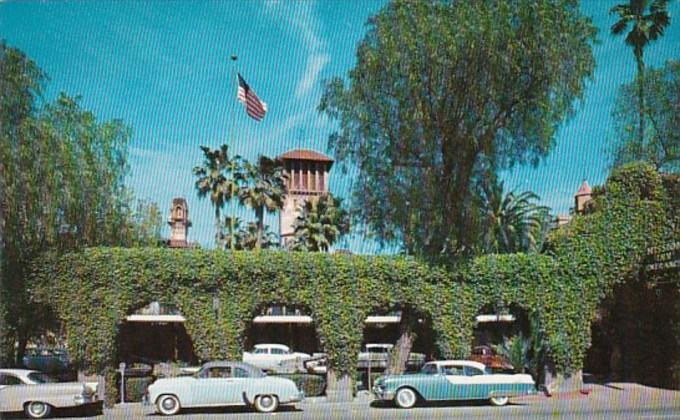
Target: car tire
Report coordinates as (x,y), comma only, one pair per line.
(266,403)
(37,410)
(499,401)
(405,398)
(168,405)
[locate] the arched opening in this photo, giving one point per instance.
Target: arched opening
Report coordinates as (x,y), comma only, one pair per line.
(155,334)
(382,330)
(503,338)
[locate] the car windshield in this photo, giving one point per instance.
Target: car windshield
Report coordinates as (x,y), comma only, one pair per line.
(40,378)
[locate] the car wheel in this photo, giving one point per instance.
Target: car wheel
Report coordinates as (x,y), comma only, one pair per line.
(168,405)
(499,401)
(266,403)
(37,410)
(405,398)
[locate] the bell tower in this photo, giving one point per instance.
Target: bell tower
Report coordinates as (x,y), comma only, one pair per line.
(306,178)
(179,223)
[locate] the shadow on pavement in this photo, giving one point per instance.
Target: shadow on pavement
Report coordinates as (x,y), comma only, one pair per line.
(227,410)
(471,403)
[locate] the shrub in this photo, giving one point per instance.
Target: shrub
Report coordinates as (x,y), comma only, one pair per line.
(312,385)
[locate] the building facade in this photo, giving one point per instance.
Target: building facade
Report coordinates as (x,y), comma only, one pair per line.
(307,174)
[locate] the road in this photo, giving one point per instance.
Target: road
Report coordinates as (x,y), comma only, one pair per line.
(615,401)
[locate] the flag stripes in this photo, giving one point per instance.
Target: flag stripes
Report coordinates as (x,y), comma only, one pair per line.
(255,108)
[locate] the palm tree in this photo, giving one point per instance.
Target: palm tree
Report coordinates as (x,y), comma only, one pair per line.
(218,176)
(234,235)
(647,20)
(264,191)
(319,224)
(511,222)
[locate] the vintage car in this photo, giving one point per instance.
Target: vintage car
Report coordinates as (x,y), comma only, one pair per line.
(375,356)
(275,357)
(47,360)
(30,391)
(487,356)
(452,380)
(223,383)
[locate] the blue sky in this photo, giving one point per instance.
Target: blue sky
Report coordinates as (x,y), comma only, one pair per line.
(163,67)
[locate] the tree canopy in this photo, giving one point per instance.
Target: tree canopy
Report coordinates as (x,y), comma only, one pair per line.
(62,184)
(439,86)
(661,143)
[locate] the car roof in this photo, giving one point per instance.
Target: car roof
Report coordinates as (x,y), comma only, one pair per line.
(470,363)
(233,364)
(273,346)
(372,345)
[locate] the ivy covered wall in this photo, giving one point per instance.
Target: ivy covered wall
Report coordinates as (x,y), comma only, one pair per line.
(219,292)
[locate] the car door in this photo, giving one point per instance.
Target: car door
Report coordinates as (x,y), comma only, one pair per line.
(458,383)
(213,387)
(6,382)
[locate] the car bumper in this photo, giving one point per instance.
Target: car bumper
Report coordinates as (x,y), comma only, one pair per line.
(383,394)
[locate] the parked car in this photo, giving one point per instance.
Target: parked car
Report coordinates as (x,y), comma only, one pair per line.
(223,383)
(487,356)
(274,357)
(47,360)
(376,355)
(453,380)
(33,392)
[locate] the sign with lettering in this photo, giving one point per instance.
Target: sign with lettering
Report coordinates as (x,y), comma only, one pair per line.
(663,258)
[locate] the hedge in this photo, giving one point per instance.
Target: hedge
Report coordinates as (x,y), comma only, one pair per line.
(219,292)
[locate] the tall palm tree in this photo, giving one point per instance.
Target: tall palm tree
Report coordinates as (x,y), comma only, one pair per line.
(647,20)
(512,222)
(264,191)
(220,177)
(319,224)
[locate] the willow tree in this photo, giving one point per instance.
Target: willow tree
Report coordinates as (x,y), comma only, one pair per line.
(440,85)
(61,188)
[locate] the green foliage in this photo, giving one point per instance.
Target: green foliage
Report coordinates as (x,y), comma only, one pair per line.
(647,20)
(219,292)
(319,224)
(61,183)
(517,350)
(512,222)
(244,237)
(440,87)
(661,145)
(311,385)
(135,387)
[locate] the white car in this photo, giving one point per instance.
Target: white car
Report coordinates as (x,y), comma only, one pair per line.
(375,355)
(273,357)
(31,391)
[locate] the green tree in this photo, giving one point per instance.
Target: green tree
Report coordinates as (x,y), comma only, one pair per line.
(263,191)
(245,237)
(661,146)
(439,86)
(647,20)
(220,177)
(511,222)
(319,224)
(61,183)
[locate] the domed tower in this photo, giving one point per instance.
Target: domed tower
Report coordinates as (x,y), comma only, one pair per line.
(179,223)
(583,195)
(307,178)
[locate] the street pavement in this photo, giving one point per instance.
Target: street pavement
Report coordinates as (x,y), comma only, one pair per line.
(615,401)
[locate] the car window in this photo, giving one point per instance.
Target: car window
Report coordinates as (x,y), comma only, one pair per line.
(452,370)
(261,351)
(40,378)
(279,351)
(240,373)
(218,372)
(472,371)
(6,379)
(429,369)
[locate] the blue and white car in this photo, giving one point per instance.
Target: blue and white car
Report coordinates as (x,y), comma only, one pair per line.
(223,383)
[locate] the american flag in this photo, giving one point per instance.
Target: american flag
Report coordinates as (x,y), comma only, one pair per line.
(255,108)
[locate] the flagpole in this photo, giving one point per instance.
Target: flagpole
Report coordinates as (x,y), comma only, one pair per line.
(233,178)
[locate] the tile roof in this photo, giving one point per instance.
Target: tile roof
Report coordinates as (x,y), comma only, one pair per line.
(584,189)
(306,154)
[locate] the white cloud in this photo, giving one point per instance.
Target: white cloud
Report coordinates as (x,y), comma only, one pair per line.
(315,64)
(300,17)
